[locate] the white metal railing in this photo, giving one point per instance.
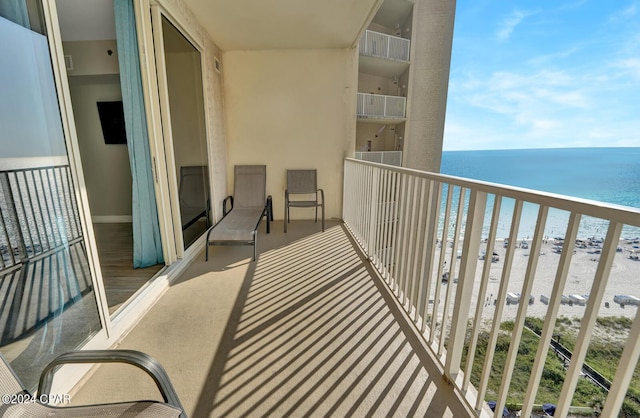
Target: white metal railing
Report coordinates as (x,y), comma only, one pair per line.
(411,224)
(382,157)
(380,106)
(380,45)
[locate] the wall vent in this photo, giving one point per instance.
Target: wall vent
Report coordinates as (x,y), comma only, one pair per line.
(68,62)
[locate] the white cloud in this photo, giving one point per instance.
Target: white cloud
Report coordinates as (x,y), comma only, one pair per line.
(508,25)
(630,66)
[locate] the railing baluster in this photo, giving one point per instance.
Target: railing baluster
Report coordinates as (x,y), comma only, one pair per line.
(552,313)
(420,244)
(438,279)
(426,266)
(589,319)
(468,263)
(400,233)
(33,213)
(452,270)
(516,334)
(626,369)
(482,292)
(373,214)
(394,229)
(501,300)
(407,234)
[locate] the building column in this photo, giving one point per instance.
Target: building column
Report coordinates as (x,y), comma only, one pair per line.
(431,43)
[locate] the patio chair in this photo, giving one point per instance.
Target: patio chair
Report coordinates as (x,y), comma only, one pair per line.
(18,402)
(194,195)
(302,182)
(249,204)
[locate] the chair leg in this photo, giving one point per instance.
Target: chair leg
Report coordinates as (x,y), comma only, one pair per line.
(316,214)
(322,217)
(286,206)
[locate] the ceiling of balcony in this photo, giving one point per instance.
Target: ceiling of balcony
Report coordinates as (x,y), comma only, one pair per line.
(393,12)
(242,24)
(284,24)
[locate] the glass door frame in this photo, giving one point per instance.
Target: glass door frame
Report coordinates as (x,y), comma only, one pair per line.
(149,14)
(54,39)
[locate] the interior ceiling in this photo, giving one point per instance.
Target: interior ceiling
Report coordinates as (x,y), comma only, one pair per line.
(86,20)
(283,24)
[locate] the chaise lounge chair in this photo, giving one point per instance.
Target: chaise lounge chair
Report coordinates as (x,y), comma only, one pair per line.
(249,204)
(18,402)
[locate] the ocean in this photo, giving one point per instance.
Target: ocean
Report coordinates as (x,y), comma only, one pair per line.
(609,175)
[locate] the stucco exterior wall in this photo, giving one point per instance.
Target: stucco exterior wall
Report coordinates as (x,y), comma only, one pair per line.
(292,109)
(428,83)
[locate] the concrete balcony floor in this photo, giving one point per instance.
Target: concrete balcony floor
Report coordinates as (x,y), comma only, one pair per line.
(307,330)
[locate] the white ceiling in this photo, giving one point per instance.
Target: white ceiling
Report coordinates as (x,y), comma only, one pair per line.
(86,20)
(241,24)
(284,24)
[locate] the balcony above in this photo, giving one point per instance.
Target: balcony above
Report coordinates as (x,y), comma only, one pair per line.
(378,108)
(383,55)
(382,157)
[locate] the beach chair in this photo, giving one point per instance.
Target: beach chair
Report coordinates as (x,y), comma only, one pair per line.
(249,204)
(194,195)
(302,182)
(18,402)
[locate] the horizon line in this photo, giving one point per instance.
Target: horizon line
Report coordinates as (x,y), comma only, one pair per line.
(541,148)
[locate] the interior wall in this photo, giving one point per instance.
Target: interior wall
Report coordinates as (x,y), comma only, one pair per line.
(382,137)
(107,173)
(94,78)
(373,84)
(292,109)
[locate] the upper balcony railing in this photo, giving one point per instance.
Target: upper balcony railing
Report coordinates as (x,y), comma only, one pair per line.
(424,234)
(376,44)
(382,157)
(380,106)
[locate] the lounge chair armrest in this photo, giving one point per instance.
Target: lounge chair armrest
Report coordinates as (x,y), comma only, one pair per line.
(224,205)
(135,358)
(321,194)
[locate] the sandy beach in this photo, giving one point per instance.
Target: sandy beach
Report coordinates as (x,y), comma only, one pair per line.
(624,279)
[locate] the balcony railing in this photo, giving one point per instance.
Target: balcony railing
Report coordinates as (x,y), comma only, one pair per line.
(424,234)
(380,106)
(43,263)
(380,45)
(382,157)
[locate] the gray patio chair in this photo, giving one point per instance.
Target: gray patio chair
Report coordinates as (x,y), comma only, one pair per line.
(18,402)
(302,182)
(194,195)
(249,204)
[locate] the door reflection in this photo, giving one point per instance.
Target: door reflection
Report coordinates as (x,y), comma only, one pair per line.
(186,106)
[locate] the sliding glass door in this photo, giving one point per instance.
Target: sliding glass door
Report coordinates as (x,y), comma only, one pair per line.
(179,67)
(49,304)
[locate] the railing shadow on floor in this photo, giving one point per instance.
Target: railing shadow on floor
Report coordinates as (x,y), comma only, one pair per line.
(311,332)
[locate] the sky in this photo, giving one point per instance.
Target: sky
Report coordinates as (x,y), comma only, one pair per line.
(544,74)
